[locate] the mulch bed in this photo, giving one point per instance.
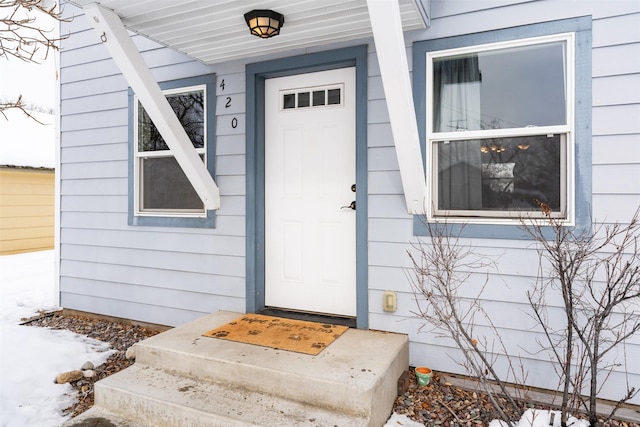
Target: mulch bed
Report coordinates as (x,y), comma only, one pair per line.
(437,404)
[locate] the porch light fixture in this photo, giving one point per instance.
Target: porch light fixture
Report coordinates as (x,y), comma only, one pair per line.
(264,23)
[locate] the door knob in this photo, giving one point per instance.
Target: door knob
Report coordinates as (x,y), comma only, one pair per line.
(351,205)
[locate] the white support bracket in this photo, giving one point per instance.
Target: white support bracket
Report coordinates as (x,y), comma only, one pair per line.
(119,44)
(392,57)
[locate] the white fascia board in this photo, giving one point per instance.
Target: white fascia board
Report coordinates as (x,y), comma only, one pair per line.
(123,51)
(394,69)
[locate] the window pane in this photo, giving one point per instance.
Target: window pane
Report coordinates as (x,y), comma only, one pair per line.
(499,89)
(333,96)
(189,108)
(165,186)
(289,101)
(500,174)
(303,99)
(318,97)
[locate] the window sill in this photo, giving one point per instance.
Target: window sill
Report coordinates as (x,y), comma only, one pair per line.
(490,229)
(165,221)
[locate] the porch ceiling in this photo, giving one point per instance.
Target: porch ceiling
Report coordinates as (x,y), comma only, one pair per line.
(215,31)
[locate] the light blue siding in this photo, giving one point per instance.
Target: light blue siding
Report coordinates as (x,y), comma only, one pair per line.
(170,275)
(154,274)
(616,195)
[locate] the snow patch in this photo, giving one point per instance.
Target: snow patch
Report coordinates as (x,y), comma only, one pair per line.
(30,358)
(541,418)
(397,420)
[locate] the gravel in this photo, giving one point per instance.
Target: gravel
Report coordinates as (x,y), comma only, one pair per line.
(438,404)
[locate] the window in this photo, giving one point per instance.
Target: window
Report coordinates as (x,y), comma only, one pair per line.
(316,97)
(160,193)
(162,186)
(499,129)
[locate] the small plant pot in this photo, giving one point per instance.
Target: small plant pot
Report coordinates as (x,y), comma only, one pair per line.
(423,375)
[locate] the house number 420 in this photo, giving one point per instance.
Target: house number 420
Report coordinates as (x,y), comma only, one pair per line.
(227,104)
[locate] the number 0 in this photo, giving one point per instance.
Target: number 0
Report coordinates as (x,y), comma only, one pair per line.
(234,123)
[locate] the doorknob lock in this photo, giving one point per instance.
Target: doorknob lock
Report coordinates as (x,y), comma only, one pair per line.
(351,205)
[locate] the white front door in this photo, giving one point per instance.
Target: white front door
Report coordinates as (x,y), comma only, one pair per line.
(310,253)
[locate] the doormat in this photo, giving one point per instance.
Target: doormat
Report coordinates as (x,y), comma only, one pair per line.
(275,332)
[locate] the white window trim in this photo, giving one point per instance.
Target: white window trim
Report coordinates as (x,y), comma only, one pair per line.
(139,155)
(568,166)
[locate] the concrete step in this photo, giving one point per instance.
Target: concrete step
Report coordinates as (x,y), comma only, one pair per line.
(182,378)
(97,416)
(356,374)
(154,397)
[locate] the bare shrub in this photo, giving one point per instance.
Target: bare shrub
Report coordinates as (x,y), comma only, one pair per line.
(441,267)
(24,39)
(596,275)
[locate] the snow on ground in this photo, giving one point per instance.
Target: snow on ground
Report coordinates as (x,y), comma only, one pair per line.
(541,418)
(31,358)
(402,421)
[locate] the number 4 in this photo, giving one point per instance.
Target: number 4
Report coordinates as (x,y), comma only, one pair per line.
(222,84)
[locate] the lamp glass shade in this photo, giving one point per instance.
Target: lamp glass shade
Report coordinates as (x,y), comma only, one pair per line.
(264,23)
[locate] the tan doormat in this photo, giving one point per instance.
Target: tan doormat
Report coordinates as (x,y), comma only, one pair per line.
(276,332)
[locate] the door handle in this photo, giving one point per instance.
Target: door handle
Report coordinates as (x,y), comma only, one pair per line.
(351,205)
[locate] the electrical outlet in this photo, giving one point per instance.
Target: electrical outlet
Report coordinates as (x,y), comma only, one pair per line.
(389,301)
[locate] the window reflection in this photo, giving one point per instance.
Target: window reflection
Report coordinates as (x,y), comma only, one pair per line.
(505,88)
(500,174)
(188,107)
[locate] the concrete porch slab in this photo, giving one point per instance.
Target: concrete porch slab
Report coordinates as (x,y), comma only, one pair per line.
(354,378)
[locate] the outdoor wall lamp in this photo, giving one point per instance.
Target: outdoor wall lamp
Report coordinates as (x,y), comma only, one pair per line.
(264,23)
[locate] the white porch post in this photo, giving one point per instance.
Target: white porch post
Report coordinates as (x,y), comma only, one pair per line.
(392,57)
(135,70)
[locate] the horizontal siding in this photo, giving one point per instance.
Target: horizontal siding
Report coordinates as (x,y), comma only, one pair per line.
(616,188)
(106,169)
(159,314)
(606,30)
(153,274)
(615,207)
(82,271)
(451,18)
(616,90)
(162,260)
(147,240)
(616,149)
(170,276)
(616,179)
(89,138)
(616,60)
(26,210)
(95,153)
(229,145)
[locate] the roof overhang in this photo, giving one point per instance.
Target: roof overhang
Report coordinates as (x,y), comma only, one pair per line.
(215,31)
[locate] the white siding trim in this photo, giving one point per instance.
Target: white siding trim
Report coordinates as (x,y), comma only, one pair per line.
(394,69)
(116,39)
